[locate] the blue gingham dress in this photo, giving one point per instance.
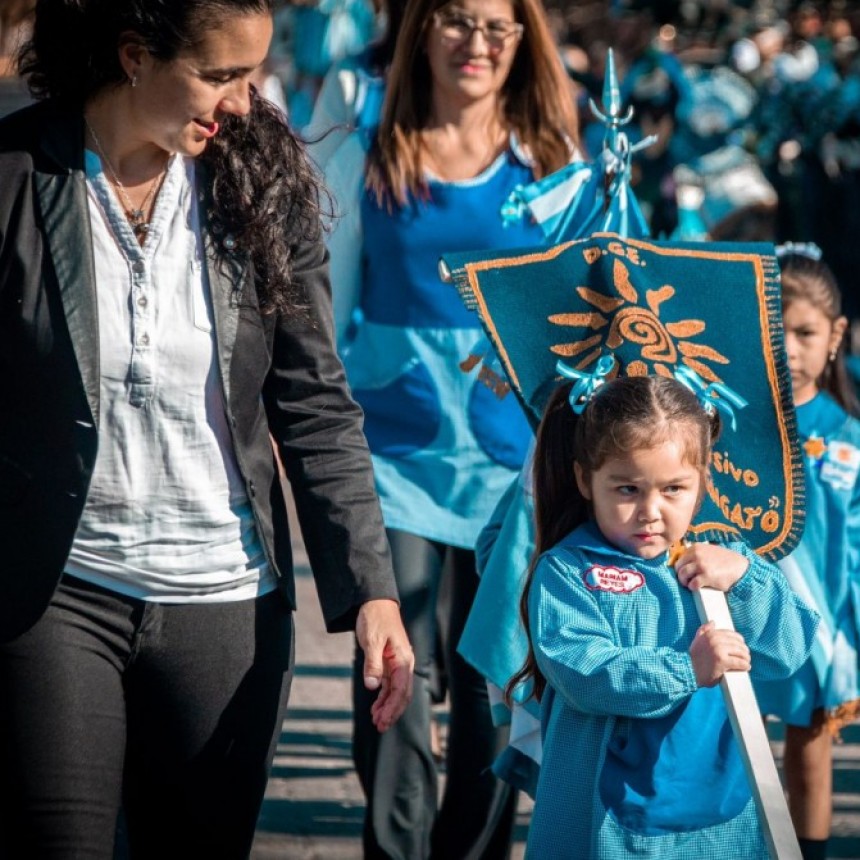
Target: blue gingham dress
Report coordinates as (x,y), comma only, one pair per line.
(638,761)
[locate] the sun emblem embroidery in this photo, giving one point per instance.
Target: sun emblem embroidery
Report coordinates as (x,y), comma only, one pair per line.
(626,319)
(815,447)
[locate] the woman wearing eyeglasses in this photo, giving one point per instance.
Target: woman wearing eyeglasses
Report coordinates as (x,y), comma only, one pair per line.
(477,102)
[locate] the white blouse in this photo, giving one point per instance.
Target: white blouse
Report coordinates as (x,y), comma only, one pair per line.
(167,518)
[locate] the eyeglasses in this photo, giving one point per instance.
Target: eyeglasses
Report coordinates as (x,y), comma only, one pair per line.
(457,29)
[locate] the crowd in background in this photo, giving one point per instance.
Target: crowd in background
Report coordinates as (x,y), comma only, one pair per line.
(756,105)
(760,104)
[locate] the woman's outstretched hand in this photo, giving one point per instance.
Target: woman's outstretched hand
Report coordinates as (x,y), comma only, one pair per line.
(388,660)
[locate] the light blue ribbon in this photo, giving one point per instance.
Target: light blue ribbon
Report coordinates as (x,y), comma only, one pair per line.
(586,383)
(712,395)
(514,208)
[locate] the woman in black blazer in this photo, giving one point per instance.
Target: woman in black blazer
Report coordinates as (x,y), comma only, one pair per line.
(165,314)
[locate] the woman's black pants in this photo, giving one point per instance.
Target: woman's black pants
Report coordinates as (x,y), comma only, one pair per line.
(171,712)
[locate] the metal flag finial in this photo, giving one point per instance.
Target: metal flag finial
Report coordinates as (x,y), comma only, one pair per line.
(610,114)
(617,150)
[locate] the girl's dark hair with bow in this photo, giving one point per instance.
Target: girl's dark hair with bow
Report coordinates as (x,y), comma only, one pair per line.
(627,414)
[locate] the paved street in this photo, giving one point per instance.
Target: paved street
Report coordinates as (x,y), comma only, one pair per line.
(314,806)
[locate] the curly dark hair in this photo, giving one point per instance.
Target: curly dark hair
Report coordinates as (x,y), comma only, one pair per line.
(267,195)
(265,192)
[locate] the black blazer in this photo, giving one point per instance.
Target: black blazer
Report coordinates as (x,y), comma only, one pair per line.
(279,374)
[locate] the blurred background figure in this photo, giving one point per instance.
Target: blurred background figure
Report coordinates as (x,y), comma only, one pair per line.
(322,32)
(353,89)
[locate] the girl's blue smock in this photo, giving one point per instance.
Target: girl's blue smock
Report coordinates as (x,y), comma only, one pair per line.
(444,446)
(638,761)
(824,569)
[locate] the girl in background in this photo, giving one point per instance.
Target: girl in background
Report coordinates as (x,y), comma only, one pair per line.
(823,569)
(639,755)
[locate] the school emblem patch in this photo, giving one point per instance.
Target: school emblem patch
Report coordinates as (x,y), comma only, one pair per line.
(615,579)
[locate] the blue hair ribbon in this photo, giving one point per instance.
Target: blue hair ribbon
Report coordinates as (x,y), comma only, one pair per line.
(713,396)
(586,383)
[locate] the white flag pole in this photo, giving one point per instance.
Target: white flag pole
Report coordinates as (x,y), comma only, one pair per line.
(752,739)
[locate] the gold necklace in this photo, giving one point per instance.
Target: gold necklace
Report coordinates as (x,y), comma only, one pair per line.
(136,216)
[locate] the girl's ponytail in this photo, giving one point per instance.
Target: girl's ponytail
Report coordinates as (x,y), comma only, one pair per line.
(559,507)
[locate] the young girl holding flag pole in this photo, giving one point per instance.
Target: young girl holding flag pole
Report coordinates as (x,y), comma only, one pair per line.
(639,756)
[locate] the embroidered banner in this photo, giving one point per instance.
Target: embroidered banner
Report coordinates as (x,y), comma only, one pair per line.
(712,308)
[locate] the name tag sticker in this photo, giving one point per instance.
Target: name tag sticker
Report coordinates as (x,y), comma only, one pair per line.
(614,579)
(841,465)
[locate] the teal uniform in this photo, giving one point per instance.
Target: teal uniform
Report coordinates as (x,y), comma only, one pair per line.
(637,760)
